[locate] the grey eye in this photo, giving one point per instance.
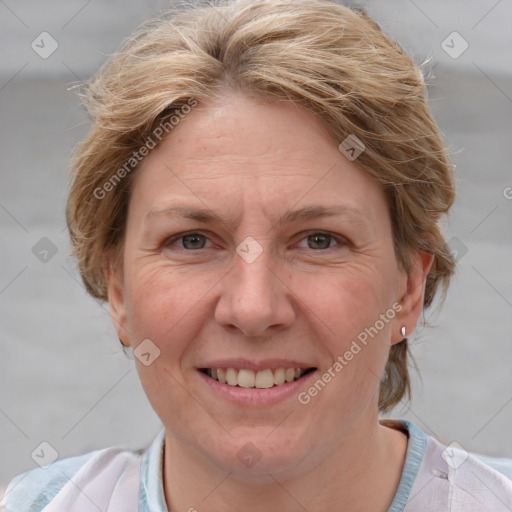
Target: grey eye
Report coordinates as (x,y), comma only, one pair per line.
(319,241)
(193,241)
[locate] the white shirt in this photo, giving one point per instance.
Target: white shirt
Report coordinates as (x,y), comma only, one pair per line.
(434,478)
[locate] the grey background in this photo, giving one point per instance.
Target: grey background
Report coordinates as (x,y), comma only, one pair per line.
(65,380)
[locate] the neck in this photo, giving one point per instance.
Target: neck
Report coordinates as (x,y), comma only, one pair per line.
(370,458)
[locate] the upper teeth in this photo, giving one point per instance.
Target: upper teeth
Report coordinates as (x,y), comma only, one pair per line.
(249,379)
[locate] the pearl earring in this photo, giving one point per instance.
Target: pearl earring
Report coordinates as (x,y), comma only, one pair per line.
(403,331)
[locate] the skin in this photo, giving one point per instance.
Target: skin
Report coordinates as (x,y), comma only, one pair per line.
(251,163)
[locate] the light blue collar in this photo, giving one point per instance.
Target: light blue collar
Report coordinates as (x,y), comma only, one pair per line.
(415,451)
(152,498)
(151,495)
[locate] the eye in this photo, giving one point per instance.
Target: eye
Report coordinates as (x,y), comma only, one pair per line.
(194,241)
(320,240)
(189,241)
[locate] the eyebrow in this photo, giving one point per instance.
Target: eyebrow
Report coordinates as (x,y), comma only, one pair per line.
(207,216)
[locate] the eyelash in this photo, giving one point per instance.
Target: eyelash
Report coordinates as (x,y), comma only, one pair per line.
(341,241)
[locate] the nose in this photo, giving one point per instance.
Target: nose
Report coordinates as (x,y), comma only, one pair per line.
(255,298)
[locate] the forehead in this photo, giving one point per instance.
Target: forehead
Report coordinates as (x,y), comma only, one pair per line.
(236,150)
(241,128)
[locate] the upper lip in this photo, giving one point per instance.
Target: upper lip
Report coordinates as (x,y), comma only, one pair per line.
(256,366)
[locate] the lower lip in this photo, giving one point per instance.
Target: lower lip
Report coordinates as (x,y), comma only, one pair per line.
(255,396)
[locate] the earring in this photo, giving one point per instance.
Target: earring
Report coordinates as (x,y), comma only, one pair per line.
(403,331)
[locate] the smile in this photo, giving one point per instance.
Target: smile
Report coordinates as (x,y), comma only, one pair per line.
(262,379)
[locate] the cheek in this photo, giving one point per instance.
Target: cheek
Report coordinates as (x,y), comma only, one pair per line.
(348,306)
(164,304)
(167,307)
(348,300)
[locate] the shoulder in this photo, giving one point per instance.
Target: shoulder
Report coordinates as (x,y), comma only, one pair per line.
(34,489)
(502,465)
(72,480)
(450,478)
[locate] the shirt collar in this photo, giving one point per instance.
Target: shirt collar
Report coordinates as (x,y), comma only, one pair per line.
(415,451)
(152,498)
(151,495)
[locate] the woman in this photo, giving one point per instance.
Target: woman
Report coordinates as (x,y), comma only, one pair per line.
(259,200)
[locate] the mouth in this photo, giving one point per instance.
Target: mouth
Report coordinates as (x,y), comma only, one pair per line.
(261,379)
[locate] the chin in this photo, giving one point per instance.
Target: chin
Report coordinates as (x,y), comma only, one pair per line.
(260,454)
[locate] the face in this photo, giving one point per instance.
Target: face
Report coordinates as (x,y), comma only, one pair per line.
(289,266)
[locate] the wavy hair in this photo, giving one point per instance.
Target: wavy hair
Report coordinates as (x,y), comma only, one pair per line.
(329,59)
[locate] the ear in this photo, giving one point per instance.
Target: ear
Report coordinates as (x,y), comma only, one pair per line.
(411,295)
(115,288)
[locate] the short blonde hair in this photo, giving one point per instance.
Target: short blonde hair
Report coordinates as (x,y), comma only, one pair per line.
(331,60)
